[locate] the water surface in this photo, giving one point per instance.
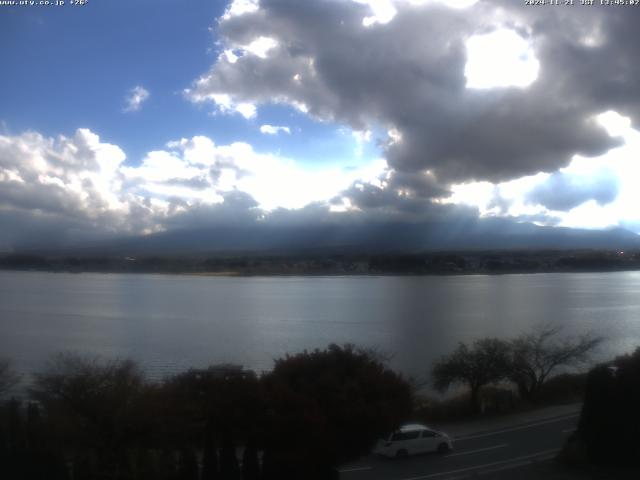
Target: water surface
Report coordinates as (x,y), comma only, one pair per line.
(169,322)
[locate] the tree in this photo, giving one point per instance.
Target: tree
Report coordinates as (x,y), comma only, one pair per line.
(328,407)
(212,400)
(229,468)
(534,356)
(486,361)
(250,463)
(94,407)
(187,464)
(8,378)
(609,423)
(210,467)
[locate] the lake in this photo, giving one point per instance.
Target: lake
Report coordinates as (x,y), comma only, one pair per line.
(171,322)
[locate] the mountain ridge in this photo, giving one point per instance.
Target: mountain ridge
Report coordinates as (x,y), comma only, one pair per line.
(379,238)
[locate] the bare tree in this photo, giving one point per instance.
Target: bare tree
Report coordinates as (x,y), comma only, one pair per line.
(8,378)
(97,400)
(534,356)
(377,353)
(486,361)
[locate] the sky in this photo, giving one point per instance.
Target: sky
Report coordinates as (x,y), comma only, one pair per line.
(122,118)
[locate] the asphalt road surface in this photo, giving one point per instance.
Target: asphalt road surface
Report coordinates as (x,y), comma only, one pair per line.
(474,456)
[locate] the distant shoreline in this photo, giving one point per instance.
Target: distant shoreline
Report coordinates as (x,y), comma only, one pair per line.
(419,264)
(310,275)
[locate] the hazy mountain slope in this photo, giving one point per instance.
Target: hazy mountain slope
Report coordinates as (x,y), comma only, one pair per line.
(486,234)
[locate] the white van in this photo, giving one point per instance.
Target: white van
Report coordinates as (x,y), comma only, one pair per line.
(412,439)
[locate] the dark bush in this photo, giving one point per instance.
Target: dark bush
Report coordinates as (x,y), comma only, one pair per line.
(328,407)
(206,402)
(250,462)
(101,419)
(610,420)
(563,388)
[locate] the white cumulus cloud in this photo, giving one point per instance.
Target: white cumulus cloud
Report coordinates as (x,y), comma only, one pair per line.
(273,129)
(135,98)
(198,170)
(69,189)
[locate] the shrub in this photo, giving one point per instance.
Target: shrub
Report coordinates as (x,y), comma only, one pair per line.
(610,419)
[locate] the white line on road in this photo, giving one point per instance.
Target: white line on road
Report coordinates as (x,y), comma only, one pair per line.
(476,451)
(486,465)
(521,427)
(517,464)
(567,430)
(354,469)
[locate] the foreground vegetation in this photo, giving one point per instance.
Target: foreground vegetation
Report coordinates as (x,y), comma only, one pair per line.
(90,419)
(527,362)
(98,419)
(609,426)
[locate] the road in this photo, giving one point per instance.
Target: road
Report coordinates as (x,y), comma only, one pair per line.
(477,455)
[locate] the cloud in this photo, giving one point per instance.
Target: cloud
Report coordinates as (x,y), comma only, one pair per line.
(456,144)
(82,188)
(273,129)
(563,191)
(226,104)
(136,97)
(272,180)
(407,72)
(501,58)
(70,185)
(393,194)
(591,192)
(68,190)
(239,7)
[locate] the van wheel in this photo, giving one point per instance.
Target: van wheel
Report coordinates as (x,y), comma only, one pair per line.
(402,453)
(443,448)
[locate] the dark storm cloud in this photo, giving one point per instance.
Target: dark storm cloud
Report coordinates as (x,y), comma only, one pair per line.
(47,198)
(409,75)
(396,193)
(24,229)
(562,191)
(237,208)
(588,55)
(417,184)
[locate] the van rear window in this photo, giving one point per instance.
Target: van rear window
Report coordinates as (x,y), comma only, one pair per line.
(399,436)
